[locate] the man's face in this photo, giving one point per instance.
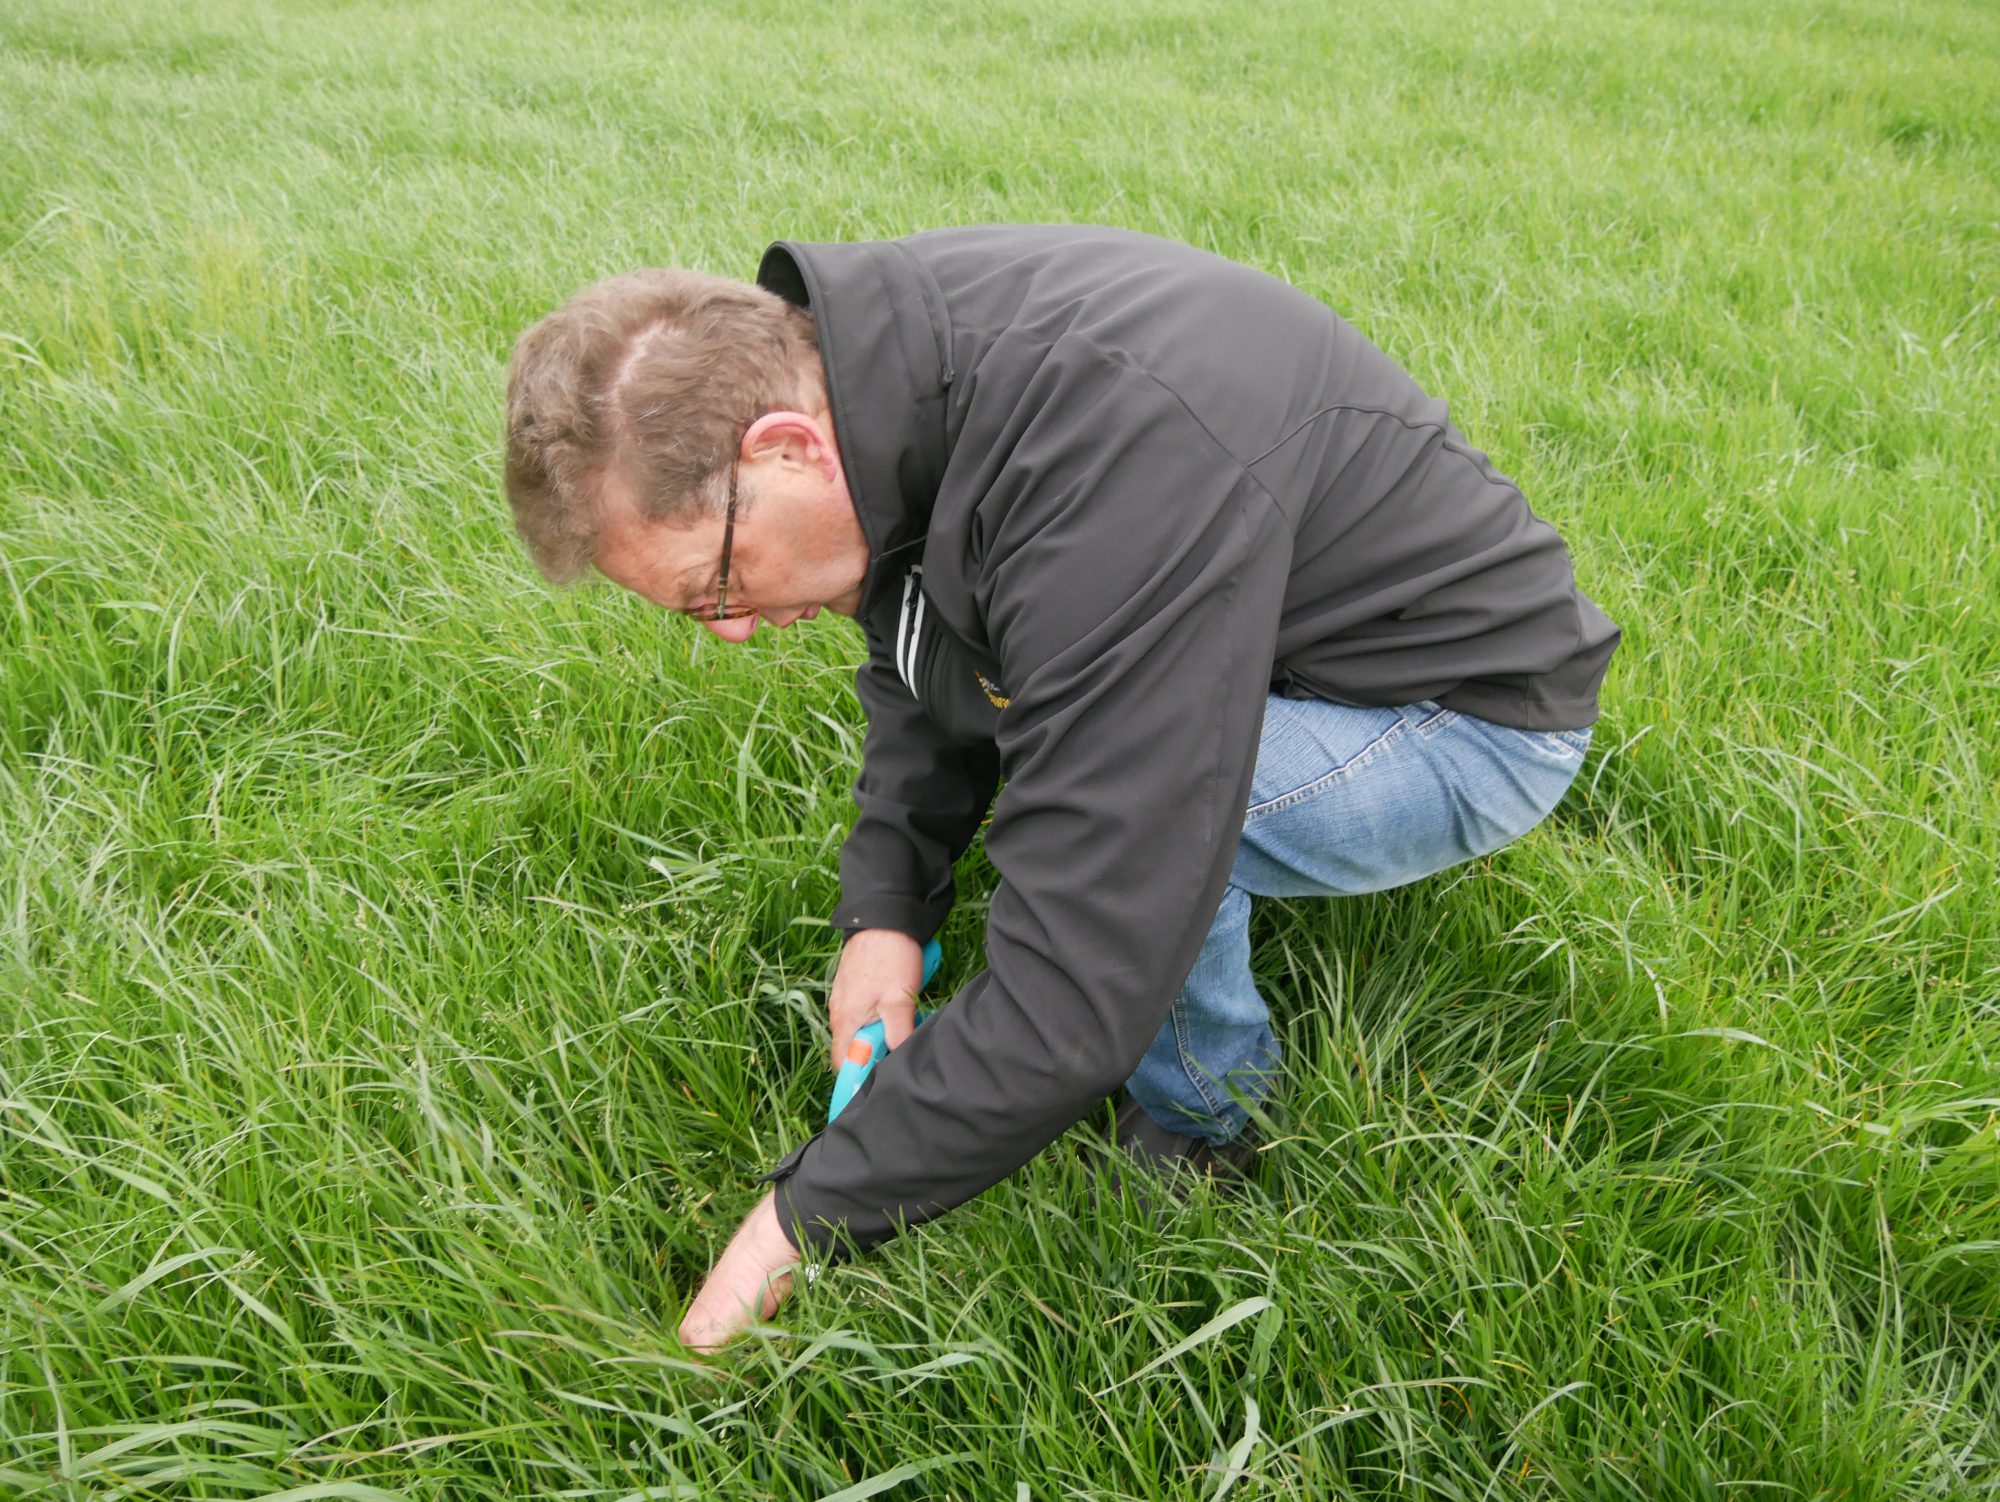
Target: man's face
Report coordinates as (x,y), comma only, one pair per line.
(797,547)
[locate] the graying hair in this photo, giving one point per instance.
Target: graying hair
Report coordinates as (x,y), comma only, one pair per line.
(656,373)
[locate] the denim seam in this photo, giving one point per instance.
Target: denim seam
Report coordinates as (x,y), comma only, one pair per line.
(1195,1075)
(1440,720)
(1325,780)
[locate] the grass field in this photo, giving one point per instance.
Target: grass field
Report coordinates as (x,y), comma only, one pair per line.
(405,970)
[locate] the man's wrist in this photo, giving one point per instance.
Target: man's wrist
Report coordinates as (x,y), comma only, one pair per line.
(780,1242)
(779,1251)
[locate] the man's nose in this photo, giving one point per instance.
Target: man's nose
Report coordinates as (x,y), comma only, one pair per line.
(737,630)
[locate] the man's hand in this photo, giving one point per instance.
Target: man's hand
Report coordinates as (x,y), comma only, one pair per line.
(748,1282)
(880,973)
(879,976)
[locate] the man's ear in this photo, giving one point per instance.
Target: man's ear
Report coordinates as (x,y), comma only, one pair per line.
(791,436)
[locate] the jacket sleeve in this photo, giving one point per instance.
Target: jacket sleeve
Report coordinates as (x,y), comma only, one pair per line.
(1132,584)
(921,796)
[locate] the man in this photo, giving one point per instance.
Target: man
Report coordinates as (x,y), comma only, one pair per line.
(1155,544)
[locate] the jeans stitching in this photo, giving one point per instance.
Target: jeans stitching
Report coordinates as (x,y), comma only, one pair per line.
(1533,749)
(1430,727)
(1196,1075)
(1325,780)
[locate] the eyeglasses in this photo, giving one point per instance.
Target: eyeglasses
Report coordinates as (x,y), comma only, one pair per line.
(721,610)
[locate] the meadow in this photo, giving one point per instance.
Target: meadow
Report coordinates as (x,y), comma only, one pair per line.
(405,968)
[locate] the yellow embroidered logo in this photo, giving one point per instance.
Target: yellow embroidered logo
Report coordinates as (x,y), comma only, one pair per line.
(998,699)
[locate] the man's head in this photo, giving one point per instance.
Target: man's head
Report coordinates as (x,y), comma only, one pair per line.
(636,410)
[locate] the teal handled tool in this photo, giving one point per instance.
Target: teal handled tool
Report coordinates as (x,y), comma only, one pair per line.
(871,1044)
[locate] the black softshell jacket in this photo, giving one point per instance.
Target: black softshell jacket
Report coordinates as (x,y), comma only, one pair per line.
(1116,492)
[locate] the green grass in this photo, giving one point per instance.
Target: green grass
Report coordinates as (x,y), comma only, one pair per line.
(404,970)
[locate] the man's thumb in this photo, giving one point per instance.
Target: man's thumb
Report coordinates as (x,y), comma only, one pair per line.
(895,1028)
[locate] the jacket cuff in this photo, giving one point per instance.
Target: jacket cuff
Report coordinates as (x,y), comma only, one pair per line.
(819,1242)
(906,915)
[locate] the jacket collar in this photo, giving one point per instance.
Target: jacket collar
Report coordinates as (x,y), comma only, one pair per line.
(885,340)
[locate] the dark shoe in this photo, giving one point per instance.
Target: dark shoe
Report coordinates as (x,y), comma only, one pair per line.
(1178,1159)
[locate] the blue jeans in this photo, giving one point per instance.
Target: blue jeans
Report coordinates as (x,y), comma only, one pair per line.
(1344,800)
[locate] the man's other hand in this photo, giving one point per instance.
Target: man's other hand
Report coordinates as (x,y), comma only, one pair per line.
(748,1282)
(880,973)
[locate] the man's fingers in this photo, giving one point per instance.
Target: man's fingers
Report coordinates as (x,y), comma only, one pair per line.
(843,1020)
(848,1048)
(897,1014)
(878,976)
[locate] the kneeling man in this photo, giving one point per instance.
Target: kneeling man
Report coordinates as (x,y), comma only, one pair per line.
(1156,545)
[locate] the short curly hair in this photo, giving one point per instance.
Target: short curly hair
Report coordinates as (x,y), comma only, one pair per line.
(657,373)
